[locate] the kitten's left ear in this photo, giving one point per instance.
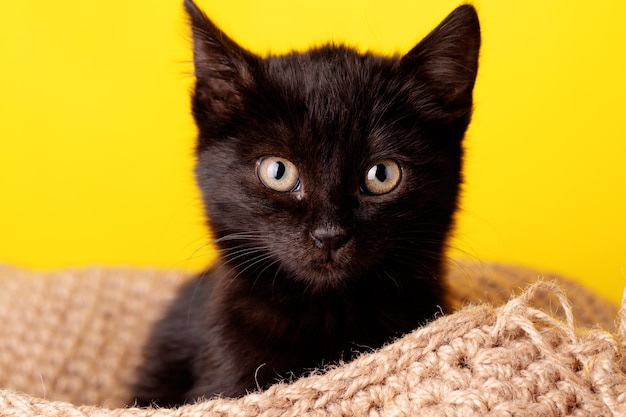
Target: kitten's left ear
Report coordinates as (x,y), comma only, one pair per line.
(222,67)
(446,60)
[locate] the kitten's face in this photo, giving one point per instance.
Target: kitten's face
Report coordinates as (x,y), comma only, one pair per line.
(328,165)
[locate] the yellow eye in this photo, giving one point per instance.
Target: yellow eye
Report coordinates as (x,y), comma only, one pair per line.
(278,174)
(382,177)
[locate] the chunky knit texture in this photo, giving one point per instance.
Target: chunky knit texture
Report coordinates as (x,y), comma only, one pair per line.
(69,341)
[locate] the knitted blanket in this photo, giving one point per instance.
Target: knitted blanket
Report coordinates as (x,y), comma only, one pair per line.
(69,342)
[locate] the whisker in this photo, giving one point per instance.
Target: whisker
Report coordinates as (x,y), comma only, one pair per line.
(269,265)
(231,257)
(251,263)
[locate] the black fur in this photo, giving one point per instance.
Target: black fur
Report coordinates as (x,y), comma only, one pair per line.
(318,274)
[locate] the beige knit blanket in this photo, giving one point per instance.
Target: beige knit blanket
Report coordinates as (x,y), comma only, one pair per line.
(69,342)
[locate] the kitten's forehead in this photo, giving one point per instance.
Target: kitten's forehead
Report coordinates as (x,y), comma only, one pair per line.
(326,77)
(330,93)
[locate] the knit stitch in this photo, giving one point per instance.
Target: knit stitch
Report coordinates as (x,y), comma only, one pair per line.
(73,337)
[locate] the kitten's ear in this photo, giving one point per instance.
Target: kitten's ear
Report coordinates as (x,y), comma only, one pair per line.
(222,67)
(446,60)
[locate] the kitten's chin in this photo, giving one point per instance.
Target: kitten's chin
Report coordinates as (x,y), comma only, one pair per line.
(321,268)
(319,277)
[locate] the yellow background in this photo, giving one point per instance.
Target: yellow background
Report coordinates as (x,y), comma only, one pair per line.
(96,141)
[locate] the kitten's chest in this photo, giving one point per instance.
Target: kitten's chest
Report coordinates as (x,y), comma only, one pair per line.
(281,330)
(291,321)
(293,339)
(254,346)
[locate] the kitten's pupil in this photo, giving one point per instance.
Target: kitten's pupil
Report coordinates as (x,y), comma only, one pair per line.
(380,172)
(277,170)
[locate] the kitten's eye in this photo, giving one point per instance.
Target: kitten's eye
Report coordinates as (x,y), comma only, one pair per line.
(382,177)
(278,174)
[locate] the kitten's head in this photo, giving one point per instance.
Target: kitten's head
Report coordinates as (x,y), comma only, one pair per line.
(330,165)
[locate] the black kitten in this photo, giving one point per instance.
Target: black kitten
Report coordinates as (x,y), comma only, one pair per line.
(331,180)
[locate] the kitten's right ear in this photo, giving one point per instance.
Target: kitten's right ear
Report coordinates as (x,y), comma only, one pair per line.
(222,67)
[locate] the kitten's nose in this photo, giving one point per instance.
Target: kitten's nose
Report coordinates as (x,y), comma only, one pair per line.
(329,237)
